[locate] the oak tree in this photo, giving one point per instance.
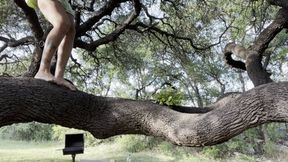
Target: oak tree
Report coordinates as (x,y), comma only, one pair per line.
(186,31)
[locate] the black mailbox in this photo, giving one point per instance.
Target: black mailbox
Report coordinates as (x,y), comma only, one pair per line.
(74,144)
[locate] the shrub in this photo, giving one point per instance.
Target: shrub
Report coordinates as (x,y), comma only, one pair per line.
(169,96)
(135,143)
(166,148)
(213,151)
(27,132)
(270,149)
(59,132)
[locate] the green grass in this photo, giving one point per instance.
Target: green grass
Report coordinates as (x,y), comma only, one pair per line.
(19,151)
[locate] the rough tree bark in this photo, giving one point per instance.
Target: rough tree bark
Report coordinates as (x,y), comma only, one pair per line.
(25,100)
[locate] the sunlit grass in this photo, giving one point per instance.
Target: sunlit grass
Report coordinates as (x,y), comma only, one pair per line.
(19,151)
(14,151)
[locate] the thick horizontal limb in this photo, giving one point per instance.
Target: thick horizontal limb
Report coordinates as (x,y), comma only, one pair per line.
(25,100)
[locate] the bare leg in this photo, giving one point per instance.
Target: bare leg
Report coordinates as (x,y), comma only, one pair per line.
(62,24)
(64,52)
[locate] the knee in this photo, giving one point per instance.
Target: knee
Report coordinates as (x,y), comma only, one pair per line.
(64,26)
(72,30)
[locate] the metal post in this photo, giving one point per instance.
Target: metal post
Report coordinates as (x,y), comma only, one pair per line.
(73,157)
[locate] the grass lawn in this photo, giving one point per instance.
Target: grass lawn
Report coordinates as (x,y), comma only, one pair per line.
(19,151)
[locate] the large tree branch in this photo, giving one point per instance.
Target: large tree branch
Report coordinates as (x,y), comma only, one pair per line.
(107,9)
(113,35)
(141,27)
(16,43)
(38,34)
(32,19)
(25,100)
(280,3)
(253,55)
(228,52)
(268,34)
(3,47)
(35,62)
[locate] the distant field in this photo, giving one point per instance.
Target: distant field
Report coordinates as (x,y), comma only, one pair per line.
(17,151)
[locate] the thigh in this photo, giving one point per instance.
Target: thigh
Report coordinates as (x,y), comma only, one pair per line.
(54,12)
(67,7)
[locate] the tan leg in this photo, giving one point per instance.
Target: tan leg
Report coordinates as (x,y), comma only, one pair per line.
(62,24)
(64,52)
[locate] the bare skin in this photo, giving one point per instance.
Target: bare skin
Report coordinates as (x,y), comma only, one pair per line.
(61,37)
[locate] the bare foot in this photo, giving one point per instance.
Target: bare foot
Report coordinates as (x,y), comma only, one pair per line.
(63,82)
(44,76)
